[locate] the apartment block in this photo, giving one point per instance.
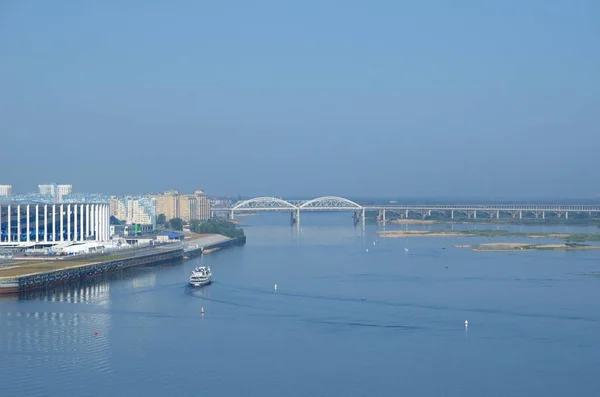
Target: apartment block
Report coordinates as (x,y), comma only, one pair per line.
(5,190)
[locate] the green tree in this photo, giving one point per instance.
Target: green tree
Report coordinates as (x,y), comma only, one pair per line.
(217,226)
(161,219)
(176,223)
(194,224)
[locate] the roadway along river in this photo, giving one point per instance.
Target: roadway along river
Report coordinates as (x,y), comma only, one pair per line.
(343,321)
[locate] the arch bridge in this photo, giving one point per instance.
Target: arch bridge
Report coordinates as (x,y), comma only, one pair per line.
(319,204)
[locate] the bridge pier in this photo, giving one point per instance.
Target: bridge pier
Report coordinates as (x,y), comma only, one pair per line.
(451,214)
(231,215)
(295,217)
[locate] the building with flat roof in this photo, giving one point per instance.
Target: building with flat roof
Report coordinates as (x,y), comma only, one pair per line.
(5,190)
(55,191)
(185,206)
(134,210)
(167,204)
(25,222)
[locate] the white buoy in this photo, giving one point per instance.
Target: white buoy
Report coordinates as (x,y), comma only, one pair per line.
(275,287)
(367,250)
(373,242)
(202,310)
(466,323)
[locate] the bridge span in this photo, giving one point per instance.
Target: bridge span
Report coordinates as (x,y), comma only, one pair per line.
(335,203)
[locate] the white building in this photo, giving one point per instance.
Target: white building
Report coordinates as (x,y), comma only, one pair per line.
(55,191)
(5,190)
(140,210)
(28,222)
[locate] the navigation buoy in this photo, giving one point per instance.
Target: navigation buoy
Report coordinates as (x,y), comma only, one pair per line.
(202,310)
(466,323)
(367,250)
(275,287)
(95,333)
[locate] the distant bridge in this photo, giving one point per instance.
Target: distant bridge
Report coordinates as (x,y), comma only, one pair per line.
(334,203)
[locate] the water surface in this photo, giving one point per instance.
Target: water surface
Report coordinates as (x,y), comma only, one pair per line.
(344,321)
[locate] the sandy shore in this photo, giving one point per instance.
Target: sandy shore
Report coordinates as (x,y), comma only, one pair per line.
(520,247)
(550,235)
(411,222)
(416,233)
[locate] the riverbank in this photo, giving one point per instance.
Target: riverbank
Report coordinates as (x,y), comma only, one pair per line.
(42,273)
(570,237)
(521,247)
(500,221)
(411,222)
(205,244)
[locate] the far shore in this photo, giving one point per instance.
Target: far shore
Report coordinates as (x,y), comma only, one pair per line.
(520,247)
(412,222)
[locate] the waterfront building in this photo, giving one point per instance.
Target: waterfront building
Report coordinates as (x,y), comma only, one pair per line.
(27,222)
(194,206)
(55,191)
(134,210)
(5,190)
(202,205)
(167,204)
(185,206)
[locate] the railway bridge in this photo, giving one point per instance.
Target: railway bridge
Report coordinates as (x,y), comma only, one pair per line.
(336,204)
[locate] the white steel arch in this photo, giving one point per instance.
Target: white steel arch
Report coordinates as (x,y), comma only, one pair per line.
(264,204)
(330,203)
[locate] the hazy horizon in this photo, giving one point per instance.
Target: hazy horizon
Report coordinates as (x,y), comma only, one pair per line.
(386,99)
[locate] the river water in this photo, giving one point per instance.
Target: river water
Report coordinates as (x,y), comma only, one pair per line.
(344,321)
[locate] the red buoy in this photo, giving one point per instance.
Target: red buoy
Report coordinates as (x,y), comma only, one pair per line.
(95,333)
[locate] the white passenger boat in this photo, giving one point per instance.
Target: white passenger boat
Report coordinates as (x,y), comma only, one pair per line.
(201,276)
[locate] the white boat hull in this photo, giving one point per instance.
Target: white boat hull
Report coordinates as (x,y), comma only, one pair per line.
(200,283)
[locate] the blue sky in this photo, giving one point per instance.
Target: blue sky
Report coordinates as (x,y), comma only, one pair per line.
(384,98)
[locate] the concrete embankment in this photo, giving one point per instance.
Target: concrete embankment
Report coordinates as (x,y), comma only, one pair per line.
(208,244)
(43,273)
(21,278)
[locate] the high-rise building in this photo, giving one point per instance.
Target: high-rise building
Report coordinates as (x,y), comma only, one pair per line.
(187,207)
(118,208)
(202,206)
(184,206)
(167,204)
(140,210)
(55,191)
(5,190)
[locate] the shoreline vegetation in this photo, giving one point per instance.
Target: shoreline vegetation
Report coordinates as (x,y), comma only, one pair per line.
(572,241)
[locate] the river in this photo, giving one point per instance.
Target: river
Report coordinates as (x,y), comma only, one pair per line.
(353,315)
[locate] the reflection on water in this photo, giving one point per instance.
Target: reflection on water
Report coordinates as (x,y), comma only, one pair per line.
(349,320)
(79,291)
